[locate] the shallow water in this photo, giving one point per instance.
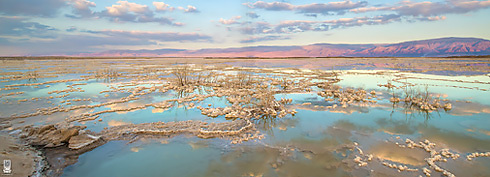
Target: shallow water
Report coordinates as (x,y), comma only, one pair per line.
(316,141)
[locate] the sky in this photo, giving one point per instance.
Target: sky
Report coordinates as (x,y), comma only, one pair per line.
(65,27)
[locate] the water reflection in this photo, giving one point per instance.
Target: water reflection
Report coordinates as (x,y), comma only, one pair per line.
(317,141)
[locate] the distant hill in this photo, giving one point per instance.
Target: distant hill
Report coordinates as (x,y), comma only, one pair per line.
(440,47)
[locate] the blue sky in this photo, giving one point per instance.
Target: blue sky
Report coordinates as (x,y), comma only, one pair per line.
(58,27)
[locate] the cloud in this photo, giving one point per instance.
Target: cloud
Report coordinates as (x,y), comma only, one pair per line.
(72,29)
(126,11)
(327,8)
(264,38)
(295,26)
(90,41)
(252,15)
(232,20)
(368,9)
(426,8)
(38,8)
(311,15)
(436,18)
(404,8)
(190,9)
(125,7)
(437,8)
(65,44)
(156,36)
(81,8)
(257,28)
(81,4)
(161,6)
(21,27)
(314,8)
(273,6)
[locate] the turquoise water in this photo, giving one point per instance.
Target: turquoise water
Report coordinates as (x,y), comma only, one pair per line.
(317,131)
(313,142)
(177,158)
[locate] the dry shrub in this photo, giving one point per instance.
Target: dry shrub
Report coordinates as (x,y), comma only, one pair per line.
(182,74)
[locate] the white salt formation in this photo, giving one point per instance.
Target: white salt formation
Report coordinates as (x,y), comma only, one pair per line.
(476,154)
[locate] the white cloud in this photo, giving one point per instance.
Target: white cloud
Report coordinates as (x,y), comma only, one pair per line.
(82,4)
(436,18)
(274,6)
(123,7)
(295,26)
(161,6)
(426,8)
(190,9)
(232,20)
(81,8)
(315,8)
(331,7)
(126,11)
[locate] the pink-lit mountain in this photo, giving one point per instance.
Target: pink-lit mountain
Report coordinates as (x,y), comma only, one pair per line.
(424,48)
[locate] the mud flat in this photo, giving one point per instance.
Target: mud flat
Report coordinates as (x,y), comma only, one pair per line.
(25,160)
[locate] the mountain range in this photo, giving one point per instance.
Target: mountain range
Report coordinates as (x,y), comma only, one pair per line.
(441,47)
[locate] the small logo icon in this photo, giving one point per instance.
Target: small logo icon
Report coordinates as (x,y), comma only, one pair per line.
(7,166)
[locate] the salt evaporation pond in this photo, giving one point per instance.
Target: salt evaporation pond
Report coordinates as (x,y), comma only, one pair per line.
(370,136)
